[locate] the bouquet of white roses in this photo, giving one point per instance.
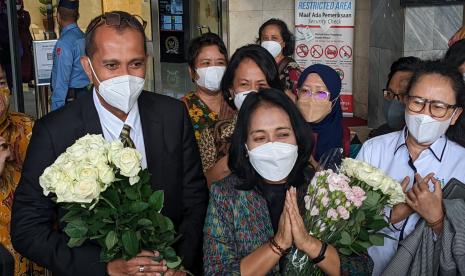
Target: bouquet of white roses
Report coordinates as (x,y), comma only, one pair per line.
(109,200)
(345,209)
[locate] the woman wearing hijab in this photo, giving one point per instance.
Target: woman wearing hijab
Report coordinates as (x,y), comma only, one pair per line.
(319,87)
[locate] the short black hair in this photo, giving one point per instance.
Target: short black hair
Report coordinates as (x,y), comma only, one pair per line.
(287,36)
(238,161)
(403,64)
(455,132)
(455,56)
(68,15)
(124,24)
(261,57)
(206,39)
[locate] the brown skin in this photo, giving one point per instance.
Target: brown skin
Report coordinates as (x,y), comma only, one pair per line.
(419,199)
(272,32)
(248,76)
(209,56)
(272,124)
(117,54)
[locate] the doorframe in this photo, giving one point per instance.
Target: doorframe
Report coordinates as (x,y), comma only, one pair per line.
(155,12)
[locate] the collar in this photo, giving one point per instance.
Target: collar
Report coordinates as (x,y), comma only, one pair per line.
(112,123)
(437,148)
(67,28)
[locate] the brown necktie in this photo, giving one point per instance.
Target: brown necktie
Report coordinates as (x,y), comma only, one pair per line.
(125,138)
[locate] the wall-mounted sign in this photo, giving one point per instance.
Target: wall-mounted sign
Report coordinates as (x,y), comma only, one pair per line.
(173,20)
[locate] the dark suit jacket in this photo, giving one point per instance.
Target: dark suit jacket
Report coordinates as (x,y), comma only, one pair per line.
(173,160)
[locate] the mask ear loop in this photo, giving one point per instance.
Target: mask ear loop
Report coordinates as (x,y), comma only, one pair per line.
(333,102)
(93,72)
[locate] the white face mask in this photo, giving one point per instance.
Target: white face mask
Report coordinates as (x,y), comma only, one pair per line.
(121,92)
(273,47)
(240,97)
(463,75)
(274,160)
(425,129)
(210,77)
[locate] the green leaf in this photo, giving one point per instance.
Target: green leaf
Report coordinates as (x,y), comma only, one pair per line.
(363,244)
(137,207)
(131,192)
(76,229)
(360,216)
(112,196)
(378,224)
(363,235)
(156,200)
(345,251)
(169,253)
(72,214)
(174,264)
(111,240)
(372,199)
(345,238)
(130,243)
(144,222)
(376,239)
(75,242)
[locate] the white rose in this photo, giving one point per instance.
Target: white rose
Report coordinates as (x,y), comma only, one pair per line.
(97,156)
(85,171)
(77,152)
(106,174)
(114,148)
(64,192)
(86,190)
(128,161)
(69,169)
(49,179)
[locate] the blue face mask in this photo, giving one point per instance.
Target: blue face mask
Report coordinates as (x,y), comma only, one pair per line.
(394,112)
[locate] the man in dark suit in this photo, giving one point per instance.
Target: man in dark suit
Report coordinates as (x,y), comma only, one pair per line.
(158,127)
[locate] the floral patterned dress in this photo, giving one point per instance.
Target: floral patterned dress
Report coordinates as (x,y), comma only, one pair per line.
(201,116)
(16,128)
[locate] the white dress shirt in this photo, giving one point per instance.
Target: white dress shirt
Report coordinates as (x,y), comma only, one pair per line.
(112,126)
(389,152)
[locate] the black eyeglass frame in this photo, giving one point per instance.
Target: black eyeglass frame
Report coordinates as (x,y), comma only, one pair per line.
(398,96)
(431,102)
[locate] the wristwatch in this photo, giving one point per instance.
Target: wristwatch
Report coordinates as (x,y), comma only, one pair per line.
(321,256)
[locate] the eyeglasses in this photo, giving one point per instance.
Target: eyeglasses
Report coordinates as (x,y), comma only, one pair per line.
(437,109)
(116,19)
(391,95)
(319,95)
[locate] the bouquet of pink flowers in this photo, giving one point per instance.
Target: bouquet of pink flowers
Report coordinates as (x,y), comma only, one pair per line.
(345,209)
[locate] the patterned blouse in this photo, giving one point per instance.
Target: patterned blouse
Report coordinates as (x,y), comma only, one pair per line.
(16,128)
(215,141)
(238,222)
(201,116)
(289,73)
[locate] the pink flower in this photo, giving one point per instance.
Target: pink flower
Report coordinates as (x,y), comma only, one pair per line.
(325,201)
(332,214)
(314,212)
(343,212)
(357,196)
(307,200)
